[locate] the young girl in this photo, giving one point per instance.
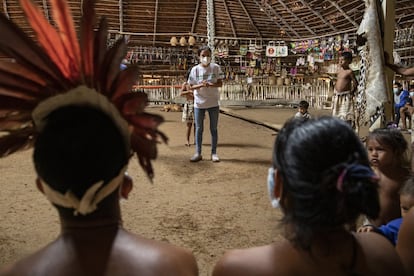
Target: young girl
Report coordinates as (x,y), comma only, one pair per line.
(387,155)
(188,110)
(319,193)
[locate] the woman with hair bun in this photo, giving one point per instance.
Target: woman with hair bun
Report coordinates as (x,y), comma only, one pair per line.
(322,181)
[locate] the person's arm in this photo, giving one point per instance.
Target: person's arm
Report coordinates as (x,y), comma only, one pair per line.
(218,83)
(405,242)
(404,100)
(219,79)
(204,83)
(354,83)
(405,71)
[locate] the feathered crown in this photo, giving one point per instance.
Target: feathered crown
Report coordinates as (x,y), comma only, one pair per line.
(62,64)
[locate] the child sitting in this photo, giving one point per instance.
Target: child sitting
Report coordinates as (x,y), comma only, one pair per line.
(387,154)
(391,229)
(303,110)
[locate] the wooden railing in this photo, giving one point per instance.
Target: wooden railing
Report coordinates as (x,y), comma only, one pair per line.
(318,95)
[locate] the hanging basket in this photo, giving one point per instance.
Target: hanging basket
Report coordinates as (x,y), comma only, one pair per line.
(183,41)
(191,41)
(173,41)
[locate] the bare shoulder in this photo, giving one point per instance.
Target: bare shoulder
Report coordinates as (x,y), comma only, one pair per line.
(155,256)
(379,254)
(36,263)
(253,261)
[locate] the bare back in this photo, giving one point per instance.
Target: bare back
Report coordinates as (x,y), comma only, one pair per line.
(111,253)
(371,255)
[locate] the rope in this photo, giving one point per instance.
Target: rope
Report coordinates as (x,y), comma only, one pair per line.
(211,32)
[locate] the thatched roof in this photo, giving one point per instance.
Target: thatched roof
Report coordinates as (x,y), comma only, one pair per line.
(154,22)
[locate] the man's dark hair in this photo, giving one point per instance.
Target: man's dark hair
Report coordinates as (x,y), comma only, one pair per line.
(347,55)
(204,48)
(78,147)
(304,104)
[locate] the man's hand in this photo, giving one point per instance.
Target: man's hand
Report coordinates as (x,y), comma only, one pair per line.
(366,228)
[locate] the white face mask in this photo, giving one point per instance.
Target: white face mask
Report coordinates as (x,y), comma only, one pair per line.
(205,60)
(271,188)
(396,90)
(411,94)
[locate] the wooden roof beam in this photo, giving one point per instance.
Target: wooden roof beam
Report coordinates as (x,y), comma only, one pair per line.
(195,16)
(319,16)
(231,21)
(279,18)
(121,15)
(155,21)
(333,3)
(296,17)
(250,18)
(5,10)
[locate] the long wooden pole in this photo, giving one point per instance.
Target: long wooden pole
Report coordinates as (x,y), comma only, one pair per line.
(388,25)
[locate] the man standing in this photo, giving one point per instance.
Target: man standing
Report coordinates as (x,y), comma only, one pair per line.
(344,92)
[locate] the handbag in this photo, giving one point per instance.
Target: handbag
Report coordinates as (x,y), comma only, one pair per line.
(281,51)
(271,49)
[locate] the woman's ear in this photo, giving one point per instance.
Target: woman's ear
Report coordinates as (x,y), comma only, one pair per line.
(126,187)
(39,185)
(278,184)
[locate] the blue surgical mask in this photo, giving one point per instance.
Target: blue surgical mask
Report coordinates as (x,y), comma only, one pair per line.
(271,188)
(411,94)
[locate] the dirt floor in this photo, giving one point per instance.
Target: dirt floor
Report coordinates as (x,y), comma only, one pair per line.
(207,207)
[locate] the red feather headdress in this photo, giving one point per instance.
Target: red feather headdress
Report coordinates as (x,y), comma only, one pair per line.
(60,65)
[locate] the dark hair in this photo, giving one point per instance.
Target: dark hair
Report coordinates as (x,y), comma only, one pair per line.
(187,74)
(78,147)
(304,104)
(203,48)
(408,187)
(347,55)
(398,84)
(311,156)
(392,138)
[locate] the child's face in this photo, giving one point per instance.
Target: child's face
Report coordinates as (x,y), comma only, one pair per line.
(302,109)
(379,155)
(343,61)
(406,202)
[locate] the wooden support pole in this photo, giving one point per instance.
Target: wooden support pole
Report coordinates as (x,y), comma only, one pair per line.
(388,24)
